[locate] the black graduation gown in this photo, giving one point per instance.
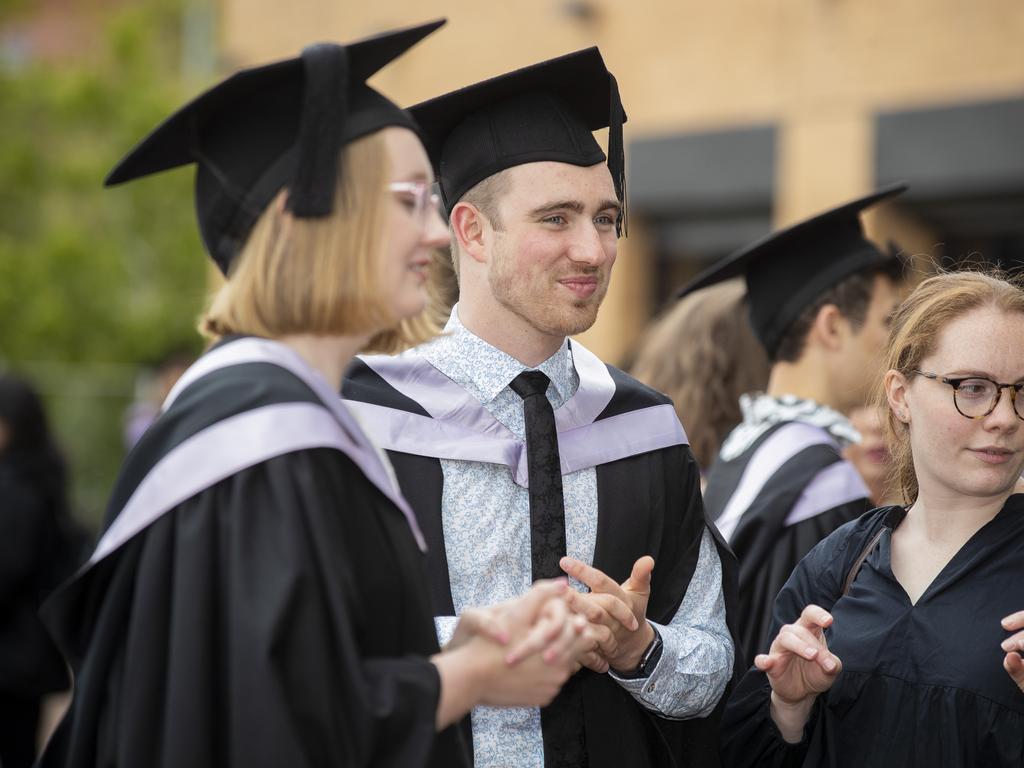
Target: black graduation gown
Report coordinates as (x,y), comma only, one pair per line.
(275,618)
(30,664)
(922,685)
(809,492)
(648,503)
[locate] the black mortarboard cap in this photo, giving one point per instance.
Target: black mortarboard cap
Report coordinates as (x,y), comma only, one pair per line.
(788,270)
(547,111)
(277,125)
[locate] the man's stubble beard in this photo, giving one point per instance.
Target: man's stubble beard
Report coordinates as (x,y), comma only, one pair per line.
(510,290)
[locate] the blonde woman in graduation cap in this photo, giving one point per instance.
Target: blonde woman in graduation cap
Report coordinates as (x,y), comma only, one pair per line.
(257,597)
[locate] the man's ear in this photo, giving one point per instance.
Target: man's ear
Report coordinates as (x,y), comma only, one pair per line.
(472,230)
(829,328)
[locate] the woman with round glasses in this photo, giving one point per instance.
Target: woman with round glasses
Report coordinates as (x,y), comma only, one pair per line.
(258,596)
(898,640)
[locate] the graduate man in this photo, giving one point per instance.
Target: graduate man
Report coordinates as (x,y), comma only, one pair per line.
(820,296)
(523,455)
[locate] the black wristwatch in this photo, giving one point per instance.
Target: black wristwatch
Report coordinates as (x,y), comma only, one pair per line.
(648,661)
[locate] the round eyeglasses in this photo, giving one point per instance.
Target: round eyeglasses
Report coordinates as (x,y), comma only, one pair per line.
(418,196)
(976,397)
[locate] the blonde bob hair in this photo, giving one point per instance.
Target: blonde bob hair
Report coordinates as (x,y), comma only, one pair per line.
(913,335)
(321,276)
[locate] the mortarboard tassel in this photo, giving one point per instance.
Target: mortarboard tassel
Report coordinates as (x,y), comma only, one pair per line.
(616,151)
(324,110)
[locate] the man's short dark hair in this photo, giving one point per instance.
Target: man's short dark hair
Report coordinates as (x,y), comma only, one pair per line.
(851,296)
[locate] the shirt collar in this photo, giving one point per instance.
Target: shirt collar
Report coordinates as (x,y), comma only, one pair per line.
(485,371)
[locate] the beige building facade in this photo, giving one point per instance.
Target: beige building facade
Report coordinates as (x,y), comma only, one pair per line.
(743,115)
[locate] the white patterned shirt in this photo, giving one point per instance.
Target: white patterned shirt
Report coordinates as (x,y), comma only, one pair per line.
(486,525)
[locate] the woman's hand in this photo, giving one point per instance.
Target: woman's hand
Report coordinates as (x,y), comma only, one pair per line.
(799,667)
(554,632)
(534,618)
(515,654)
(536,679)
(486,622)
(1013,646)
(551,641)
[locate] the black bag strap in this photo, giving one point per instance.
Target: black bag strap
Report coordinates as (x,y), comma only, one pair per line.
(855,569)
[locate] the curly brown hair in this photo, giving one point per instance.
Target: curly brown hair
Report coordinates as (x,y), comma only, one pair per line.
(703,354)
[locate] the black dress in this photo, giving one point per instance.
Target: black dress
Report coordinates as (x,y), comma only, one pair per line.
(922,684)
(277,617)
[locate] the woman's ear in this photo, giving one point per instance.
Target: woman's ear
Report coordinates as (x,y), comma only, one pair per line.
(896,394)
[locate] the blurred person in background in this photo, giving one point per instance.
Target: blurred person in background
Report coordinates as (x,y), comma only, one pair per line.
(40,546)
(703,354)
(899,639)
(152,388)
(257,597)
(820,297)
(869,455)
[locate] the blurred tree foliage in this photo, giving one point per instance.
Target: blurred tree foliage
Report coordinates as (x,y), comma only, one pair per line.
(9,8)
(94,282)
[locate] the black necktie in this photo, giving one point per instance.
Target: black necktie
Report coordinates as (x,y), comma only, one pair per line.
(547,507)
(561,721)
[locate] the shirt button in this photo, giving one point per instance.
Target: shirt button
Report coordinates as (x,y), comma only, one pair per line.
(651,687)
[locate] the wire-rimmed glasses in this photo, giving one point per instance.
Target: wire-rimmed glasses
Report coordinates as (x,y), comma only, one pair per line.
(418,196)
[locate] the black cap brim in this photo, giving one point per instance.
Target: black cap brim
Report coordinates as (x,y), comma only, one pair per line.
(571,77)
(276,126)
(789,270)
(545,111)
(173,142)
(737,263)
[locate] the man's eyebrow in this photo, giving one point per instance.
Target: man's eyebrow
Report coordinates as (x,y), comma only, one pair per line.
(558,205)
(575,206)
